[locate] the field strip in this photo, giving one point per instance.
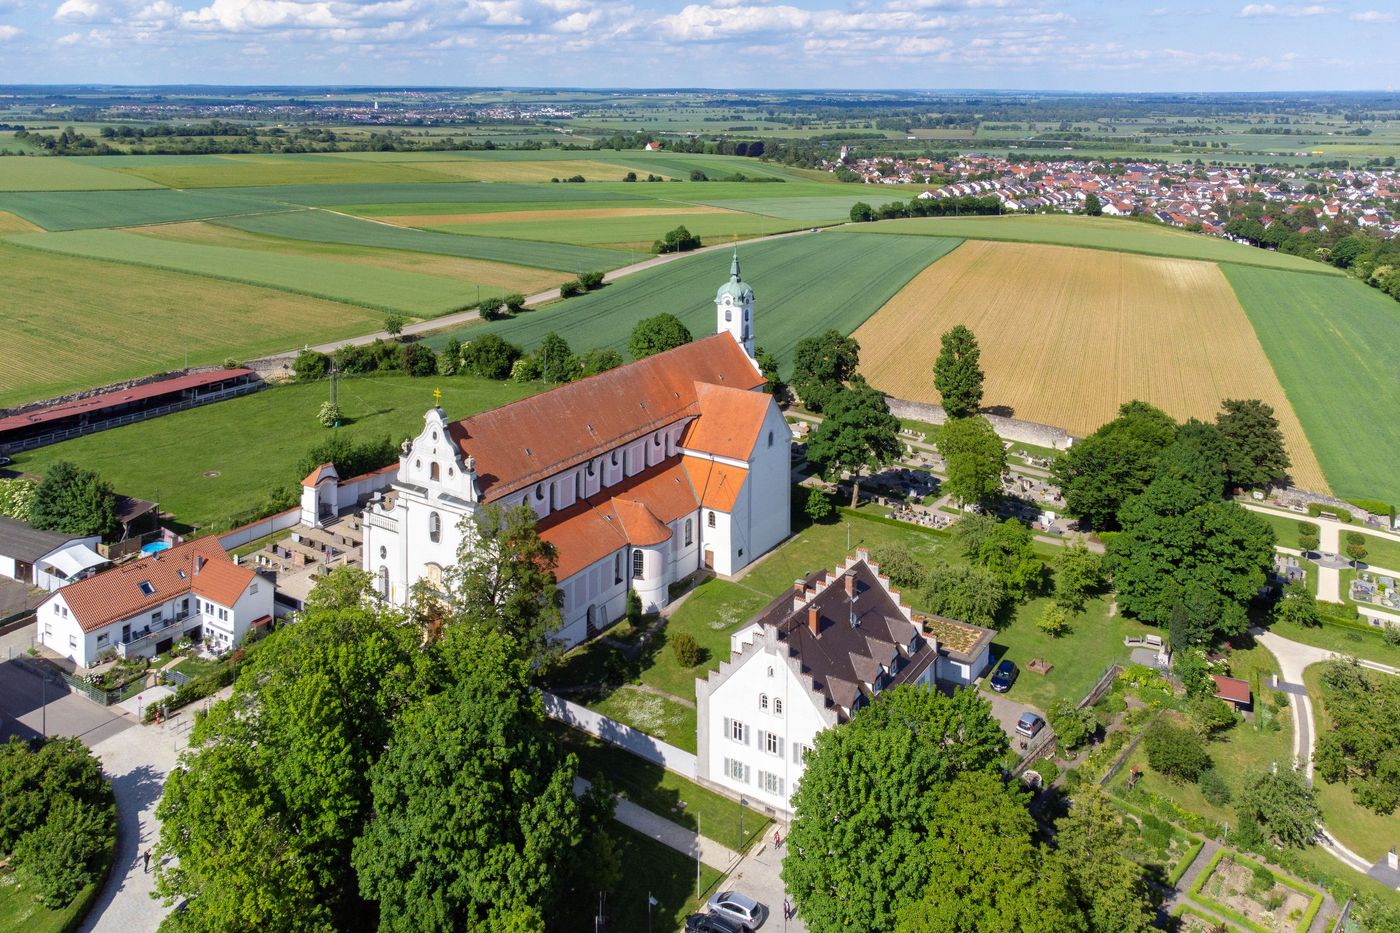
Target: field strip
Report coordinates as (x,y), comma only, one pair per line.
(1068,335)
(544,216)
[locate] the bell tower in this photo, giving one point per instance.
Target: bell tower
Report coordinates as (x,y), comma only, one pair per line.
(734,308)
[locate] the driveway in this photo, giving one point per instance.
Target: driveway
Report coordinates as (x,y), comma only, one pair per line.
(758,877)
(1007,711)
(29,707)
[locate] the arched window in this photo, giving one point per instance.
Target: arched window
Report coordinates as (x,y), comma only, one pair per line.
(638,564)
(617,569)
(433,471)
(770,438)
(777,707)
(710,520)
(384,582)
(728,315)
(763,701)
(539,493)
(434,526)
(689,531)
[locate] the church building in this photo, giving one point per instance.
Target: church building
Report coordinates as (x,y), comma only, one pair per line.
(639,476)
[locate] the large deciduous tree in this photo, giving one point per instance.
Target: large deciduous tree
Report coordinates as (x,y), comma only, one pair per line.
(1117,461)
(857,433)
(1079,574)
(1255,452)
(957,375)
(74,501)
(866,810)
(1362,748)
(975,460)
(657,334)
(968,594)
(556,359)
(1008,552)
(1281,804)
(1089,842)
(822,365)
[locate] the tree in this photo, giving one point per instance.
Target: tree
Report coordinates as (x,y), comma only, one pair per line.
(1195,461)
(768,366)
(957,375)
(451,360)
(985,873)
(1117,461)
(897,562)
(34,782)
(1092,206)
(686,649)
(1009,553)
(1209,714)
(394,323)
(591,281)
(862,213)
(1177,752)
(1308,537)
(1090,841)
(968,594)
(557,361)
(857,433)
(1356,547)
(867,804)
(1281,805)
(1053,621)
(679,240)
(971,529)
(489,356)
(822,365)
(598,360)
(311,365)
(514,302)
(1079,574)
(818,506)
(475,815)
(504,581)
(418,360)
(1362,747)
(1074,727)
(1191,668)
(74,501)
(657,334)
(64,854)
(1256,455)
(975,460)
(1298,606)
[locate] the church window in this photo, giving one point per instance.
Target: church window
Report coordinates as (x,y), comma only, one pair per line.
(434,435)
(383,552)
(418,464)
(728,315)
(384,582)
(617,569)
(449,471)
(433,471)
(435,526)
(689,531)
(590,467)
(770,438)
(638,564)
(710,520)
(539,493)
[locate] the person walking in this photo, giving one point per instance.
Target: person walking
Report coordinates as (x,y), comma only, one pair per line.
(146,857)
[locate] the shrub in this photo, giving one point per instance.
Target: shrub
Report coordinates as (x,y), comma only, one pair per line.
(490,357)
(634,608)
(1176,752)
(598,360)
(1374,506)
(394,323)
(570,289)
(818,506)
(311,365)
(64,854)
(897,562)
(329,414)
(351,458)
(686,649)
(1390,634)
(1210,714)
(515,302)
(525,369)
(679,240)
(451,359)
(418,360)
(1047,769)
(1073,727)
(590,280)
(490,309)
(1054,621)
(1214,788)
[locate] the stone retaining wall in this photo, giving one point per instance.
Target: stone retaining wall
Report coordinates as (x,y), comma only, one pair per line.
(1011,429)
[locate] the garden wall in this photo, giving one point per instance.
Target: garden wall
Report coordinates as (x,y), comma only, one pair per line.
(1024,432)
(623,736)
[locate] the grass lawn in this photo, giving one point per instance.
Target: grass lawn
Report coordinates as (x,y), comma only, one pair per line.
(1364,831)
(1285,527)
(1382,552)
(18,910)
(663,792)
(652,870)
(1356,642)
(657,716)
(167,459)
(201,667)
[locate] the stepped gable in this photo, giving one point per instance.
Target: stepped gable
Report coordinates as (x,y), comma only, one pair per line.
(526,441)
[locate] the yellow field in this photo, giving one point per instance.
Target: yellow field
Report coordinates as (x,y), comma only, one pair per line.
(544,170)
(521,279)
(9,223)
(1068,335)
(578,213)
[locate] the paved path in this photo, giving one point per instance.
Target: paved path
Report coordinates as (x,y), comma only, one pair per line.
(759,876)
(668,833)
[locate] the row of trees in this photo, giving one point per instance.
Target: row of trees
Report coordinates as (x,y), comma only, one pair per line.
(390,769)
(926,207)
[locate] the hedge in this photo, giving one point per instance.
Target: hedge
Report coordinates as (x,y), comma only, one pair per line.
(1186,861)
(1374,506)
(190,692)
(1343,515)
(88,896)
(1314,905)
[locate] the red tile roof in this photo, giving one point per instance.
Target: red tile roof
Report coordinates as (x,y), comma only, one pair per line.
(526,441)
(96,403)
(321,472)
(1232,689)
(729,423)
(716,484)
(116,594)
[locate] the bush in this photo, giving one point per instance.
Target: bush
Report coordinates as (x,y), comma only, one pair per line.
(1210,714)
(1073,727)
(1047,769)
(1374,506)
(1341,512)
(590,280)
(328,415)
(818,506)
(598,360)
(634,608)
(686,649)
(490,357)
(525,369)
(1214,788)
(311,365)
(571,289)
(418,360)
(1054,621)
(490,309)
(350,458)
(679,240)
(1176,752)
(64,854)
(515,302)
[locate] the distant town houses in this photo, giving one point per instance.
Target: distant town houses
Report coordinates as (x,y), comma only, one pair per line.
(1179,195)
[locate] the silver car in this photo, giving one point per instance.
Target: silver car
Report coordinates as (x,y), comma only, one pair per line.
(740,908)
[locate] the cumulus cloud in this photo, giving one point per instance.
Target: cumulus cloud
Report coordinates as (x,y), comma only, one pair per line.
(248,15)
(8,32)
(77,11)
(1373,16)
(1250,10)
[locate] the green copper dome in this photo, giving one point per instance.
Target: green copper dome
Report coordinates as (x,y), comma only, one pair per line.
(736,288)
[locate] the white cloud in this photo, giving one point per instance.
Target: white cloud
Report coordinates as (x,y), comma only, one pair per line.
(248,15)
(1373,16)
(8,32)
(77,11)
(1250,10)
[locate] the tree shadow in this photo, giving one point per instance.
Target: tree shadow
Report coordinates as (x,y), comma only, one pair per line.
(1001,411)
(135,791)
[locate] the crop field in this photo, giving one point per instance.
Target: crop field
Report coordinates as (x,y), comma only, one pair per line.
(246,171)
(1111,233)
(524,279)
(9,223)
(630,232)
(446,192)
(1334,343)
(804,284)
(529,171)
(120,321)
(328,227)
(87,210)
(384,289)
(42,173)
(169,459)
(509,214)
(1068,335)
(834,207)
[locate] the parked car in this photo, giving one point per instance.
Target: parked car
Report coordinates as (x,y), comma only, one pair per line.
(1004,676)
(712,923)
(732,905)
(1029,724)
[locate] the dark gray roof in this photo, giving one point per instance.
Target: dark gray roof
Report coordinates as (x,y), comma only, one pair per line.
(20,541)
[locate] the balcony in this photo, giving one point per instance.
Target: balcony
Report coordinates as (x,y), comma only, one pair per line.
(376,520)
(150,634)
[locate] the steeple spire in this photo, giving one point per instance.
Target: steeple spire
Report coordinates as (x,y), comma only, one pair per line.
(734,266)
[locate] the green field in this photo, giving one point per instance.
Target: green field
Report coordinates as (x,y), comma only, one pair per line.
(352,283)
(327,227)
(1333,343)
(445,193)
(49,174)
(631,232)
(804,285)
(86,210)
(832,207)
(119,322)
(253,444)
(246,171)
(1111,233)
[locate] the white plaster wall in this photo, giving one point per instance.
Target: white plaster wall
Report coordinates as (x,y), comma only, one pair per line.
(769,486)
(718,539)
(593,586)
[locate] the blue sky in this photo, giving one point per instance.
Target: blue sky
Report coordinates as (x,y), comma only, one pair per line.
(1123,45)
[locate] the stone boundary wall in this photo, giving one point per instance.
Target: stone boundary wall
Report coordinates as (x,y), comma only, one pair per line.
(113,387)
(1011,429)
(1294,494)
(623,736)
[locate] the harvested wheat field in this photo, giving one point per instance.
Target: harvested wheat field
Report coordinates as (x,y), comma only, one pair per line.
(1068,335)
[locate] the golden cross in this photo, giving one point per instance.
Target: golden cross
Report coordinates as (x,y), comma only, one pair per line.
(437,398)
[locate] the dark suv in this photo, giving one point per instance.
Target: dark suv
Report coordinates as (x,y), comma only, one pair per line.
(712,923)
(1004,676)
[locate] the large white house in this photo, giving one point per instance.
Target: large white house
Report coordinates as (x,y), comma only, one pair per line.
(142,608)
(639,476)
(809,661)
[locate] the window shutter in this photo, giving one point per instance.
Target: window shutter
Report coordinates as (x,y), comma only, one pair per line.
(762,739)
(780,787)
(746,733)
(728,730)
(780,747)
(762,780)
(746,774)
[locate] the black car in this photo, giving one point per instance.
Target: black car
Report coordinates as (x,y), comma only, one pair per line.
(712,923)
(1004,676)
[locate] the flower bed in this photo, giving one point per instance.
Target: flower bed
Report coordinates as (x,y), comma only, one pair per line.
(1251,895)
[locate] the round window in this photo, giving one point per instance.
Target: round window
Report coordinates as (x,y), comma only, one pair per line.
(383,552)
